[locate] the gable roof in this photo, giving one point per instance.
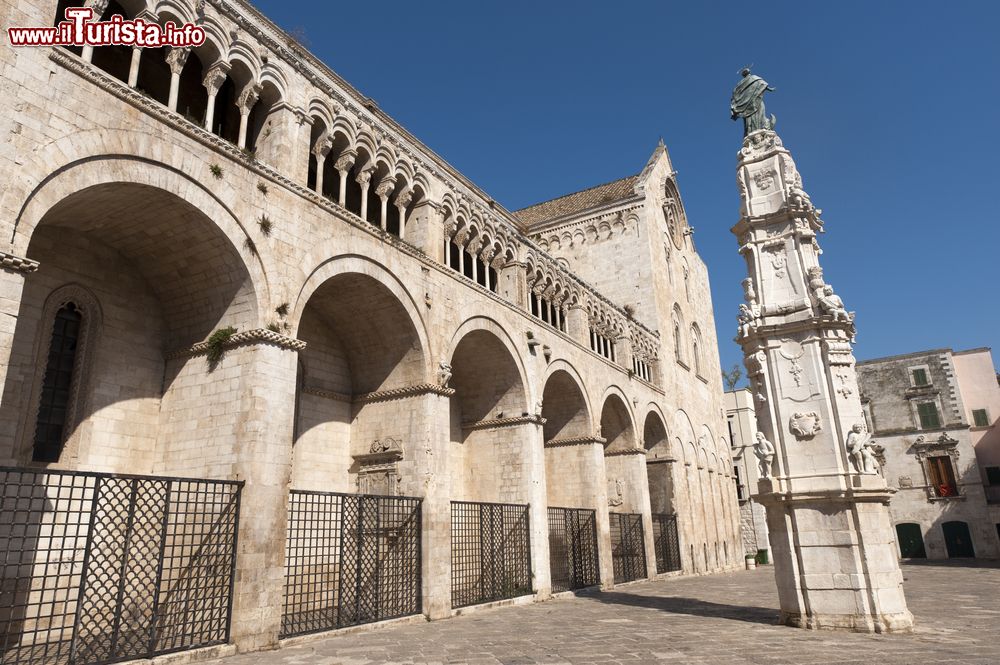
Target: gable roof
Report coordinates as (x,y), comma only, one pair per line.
(578,201)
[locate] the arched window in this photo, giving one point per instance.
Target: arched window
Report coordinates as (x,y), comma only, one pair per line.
(696,349)
(54,405)
(70,318)
(678,342)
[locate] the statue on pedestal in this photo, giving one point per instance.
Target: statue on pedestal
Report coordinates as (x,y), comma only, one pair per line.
(764,450)
(748,103)
(860,449)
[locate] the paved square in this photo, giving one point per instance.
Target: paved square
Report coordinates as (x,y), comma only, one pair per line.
(703,620)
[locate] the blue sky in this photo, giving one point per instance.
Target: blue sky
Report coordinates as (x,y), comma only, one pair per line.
(891,110)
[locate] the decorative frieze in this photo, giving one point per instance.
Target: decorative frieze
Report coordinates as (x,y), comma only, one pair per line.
(17,263)
(575,441)
(496,423)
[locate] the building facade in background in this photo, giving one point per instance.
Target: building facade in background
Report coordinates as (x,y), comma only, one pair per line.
(225,263)
(932,414)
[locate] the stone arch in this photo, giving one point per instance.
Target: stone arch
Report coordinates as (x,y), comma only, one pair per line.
(565,404)
(101,174)
(659,459)
(617,422)
(164,264)
(513,395)
(364,364)
(362,265)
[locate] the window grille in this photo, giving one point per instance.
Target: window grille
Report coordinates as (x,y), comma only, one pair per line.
(54,404)
(573,558)
(490,552)
(666,543)
(628,549)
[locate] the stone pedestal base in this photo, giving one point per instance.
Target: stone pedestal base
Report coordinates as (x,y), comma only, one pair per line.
(835,557)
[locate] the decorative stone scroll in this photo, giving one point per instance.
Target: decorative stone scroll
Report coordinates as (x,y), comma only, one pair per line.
(575,441)
(402,393)
(495,423)
(625,451)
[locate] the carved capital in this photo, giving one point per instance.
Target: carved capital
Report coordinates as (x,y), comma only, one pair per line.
(385,187)
(248,97)
(364,177)
(345,161)
(404,198)
(215,77)
(176,59)
(324,144)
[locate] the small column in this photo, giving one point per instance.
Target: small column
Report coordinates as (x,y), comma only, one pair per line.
(383,190)
(343,166)
(403,200)
(99,7)
(176,59)
(324,144)
(133,68)
(245,103)
(214,78)
(364,179)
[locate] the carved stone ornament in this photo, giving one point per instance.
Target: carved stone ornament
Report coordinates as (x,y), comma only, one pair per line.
(765,179)
(764,451)
(805,425)
(378,472)
(443,374)
(616,493)
(861,450)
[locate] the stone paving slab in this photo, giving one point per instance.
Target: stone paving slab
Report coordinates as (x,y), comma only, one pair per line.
(696,621)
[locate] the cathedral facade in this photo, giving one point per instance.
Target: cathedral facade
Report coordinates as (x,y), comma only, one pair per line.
(224,263)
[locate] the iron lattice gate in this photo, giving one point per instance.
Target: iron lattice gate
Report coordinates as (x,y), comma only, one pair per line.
(573,548)
(628,550)
(666,543)
(350,559)
(101,568)
(490,552)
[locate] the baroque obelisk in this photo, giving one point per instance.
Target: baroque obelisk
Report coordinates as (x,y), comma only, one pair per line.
(831,535)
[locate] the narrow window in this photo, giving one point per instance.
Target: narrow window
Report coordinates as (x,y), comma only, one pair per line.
(927,411)
(920,377)
(942,476)
(54,404)
(980,418)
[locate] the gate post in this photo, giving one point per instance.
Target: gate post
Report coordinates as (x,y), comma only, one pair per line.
(264,461)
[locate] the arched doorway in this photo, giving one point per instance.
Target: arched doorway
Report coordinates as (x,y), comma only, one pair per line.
(572,472)
(150,274)
(658,463)
(624,468)
(958,540)
(362,349)
(911,541)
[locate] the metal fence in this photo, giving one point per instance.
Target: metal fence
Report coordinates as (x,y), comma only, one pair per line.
(573,548)
(100,568)
(666,543)
(350,559)
(628,551)
(490,552)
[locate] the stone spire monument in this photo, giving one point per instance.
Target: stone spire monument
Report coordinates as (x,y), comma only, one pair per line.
(833,543)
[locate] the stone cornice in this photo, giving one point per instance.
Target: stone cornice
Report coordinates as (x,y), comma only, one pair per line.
(581,217)
(17,263)
(575,441)
(496,423)
(403,393)
(246,338)
(625,451)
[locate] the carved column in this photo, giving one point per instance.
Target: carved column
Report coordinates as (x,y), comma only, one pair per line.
(214,78)
(176,59)
(324,144)
(133,68)
(99,7)
(403,200)
(343,166)
(831,535)
(245,103)
(384,189)
(364,179)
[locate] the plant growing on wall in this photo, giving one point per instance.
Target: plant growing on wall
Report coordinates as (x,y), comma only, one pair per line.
(282,310)
(262,188)
(216,171)
(265,225)
(217,346)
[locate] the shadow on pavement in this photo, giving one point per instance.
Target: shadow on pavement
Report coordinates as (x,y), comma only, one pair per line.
(949,563)
(690,606)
